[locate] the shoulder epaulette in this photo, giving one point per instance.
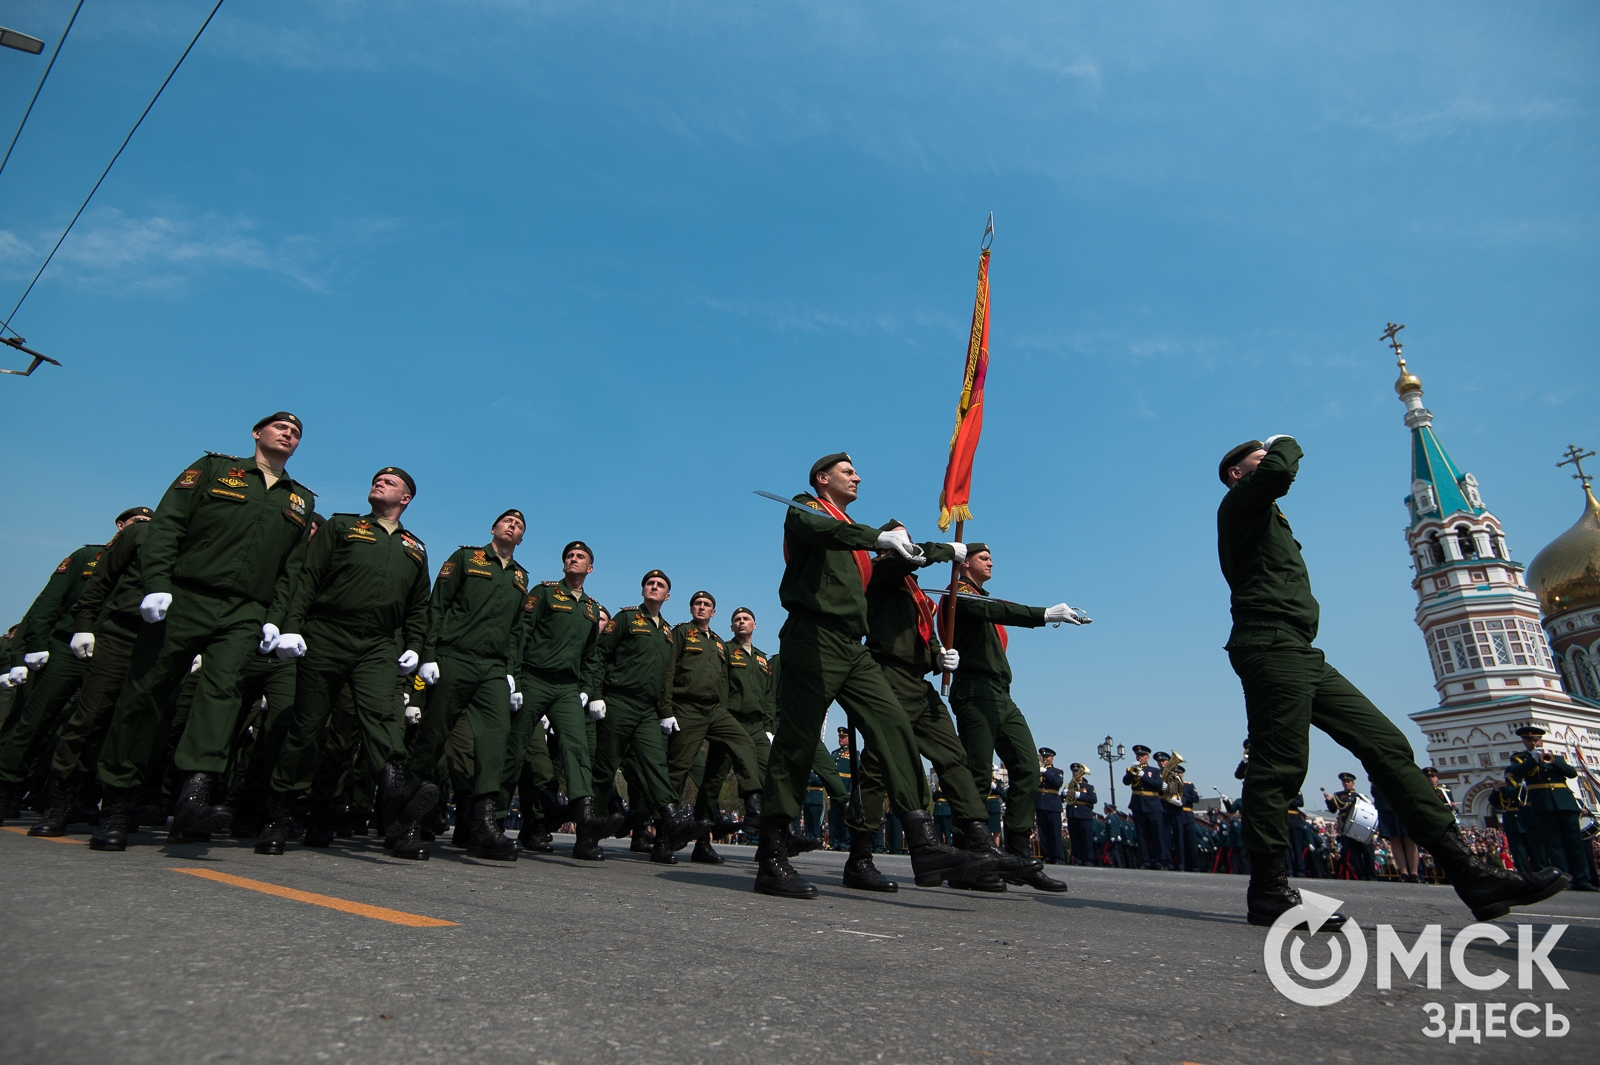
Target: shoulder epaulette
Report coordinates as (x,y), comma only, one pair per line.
(468,547)
(548,584)
(223,455)
(343,514)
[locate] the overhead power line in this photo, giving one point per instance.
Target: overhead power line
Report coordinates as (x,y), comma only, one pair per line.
(48,67)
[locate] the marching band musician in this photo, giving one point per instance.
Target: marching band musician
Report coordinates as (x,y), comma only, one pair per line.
(1358,858)
(1552,810)
(1145,804)
(1080,801)
(1047,807)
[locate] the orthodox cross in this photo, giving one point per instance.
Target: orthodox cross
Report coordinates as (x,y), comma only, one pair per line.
(1575,458)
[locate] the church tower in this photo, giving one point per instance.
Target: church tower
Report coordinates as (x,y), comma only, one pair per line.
(1491,663)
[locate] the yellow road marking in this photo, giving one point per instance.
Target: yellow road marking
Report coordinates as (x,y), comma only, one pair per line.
(19,830)
(377,913)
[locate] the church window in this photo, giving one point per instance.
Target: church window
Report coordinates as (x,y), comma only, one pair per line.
(1469,546)
(1479,575)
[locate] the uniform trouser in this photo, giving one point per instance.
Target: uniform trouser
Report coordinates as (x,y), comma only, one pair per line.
(341,748)
(1188,844)
(990,723)
(943,824)
(631,726)
(813,816)
(1289,687)
(1297,846)
(335,658)
(1082,846)
(468,714)
(79,747)
(936,741)
(893,835)
(1049,822)
(538,776)
(1358,858)
(1151,828)
(558,700)
(1171,820)
(1563,840)
(838,829)
(225,630)
(24,739)
(1517,844)
(720,761)
(714,723)
(272,678)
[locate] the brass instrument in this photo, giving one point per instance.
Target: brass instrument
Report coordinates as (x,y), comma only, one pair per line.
(1173,790)
(1076,783)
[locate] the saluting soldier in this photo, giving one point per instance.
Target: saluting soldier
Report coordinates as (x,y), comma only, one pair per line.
(224,548)
(1289,686)
(1551,806)
(1080,802)
(476,628)
(561,679)
(1048,807)
(52,669)
(1145,805)
(826,573)
(694,709)
(360,606)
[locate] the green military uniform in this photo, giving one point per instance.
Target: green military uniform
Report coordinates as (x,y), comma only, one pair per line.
(1552,813)
(989,721)
(227,548)
(824,590)
(822,765)
(753,703)
(696,693)
(361,600)
(476,625)
(1288,684)
(635,655)
(48,626)
(560,662)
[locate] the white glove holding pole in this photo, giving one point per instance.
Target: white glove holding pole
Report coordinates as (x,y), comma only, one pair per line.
(290,645)
(407,663)
(36,660)
(960,550)
(898,541)
(154,607)
(583,699)
(1055,615)
(269,638)
(82,644)
(596,709)
(949,660)
(429,672)
(669,725)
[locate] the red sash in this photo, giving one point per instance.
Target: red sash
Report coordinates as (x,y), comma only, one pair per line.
(862,558)
(925,609)
(948,639)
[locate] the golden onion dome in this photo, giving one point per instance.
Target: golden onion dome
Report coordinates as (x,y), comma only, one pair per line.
(1566,574)
(1409,382)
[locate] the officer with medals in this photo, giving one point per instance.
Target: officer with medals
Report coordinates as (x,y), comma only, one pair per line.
(1145,804)
(1047,808)
(1081,822)
(1551,806)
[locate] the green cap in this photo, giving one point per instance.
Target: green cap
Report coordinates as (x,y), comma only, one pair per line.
(646,578)
(278,416)
(826,462)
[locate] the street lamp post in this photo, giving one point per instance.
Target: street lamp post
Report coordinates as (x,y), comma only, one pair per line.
(22,42)
(1111,758)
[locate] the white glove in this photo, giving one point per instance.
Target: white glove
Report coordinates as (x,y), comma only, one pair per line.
(516,701)
(769,737)
(669,725)
(36,660)
(413,715)
(511,681)
(898,541)
(1267,443)
(154,607)
(407,663)
(82,644)
(960,550)
(429,672)
(19,675)
(949,660)
(269,638)
(597,709)
(291,645)
(583,699)
(5,681)
(1061,612)
(544,723)
(194,667)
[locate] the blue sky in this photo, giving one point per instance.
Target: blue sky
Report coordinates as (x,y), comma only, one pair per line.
(621,264)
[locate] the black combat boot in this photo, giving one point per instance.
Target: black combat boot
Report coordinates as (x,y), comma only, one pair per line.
(1019,845)
(534,837)
(1269,895)
(991,883)
(800,844)
(274,838)
(643,841)
(682,829)
(859,872)
(661,850)
(485,840)
(932,862)
(974,836)
(196,815)
(635,819)
(590,830)
(774,874)
(410,845)
(320,828)
(402,802)
(704,853)
(112,832)
(752,813)
(58,813)
(1488,892)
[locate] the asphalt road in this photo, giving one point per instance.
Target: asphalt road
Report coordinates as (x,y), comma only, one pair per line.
(121,957)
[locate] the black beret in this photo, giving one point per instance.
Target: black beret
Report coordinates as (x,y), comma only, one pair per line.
(1249,447)
(1530,730)
(278,416)
(646,578)
(743,610)
(976,547)
(703,594)
(824,463)
(136,512)
(398,472)
(1140,748)
(1045,752)
(585,548)
(1347,776)
(512,510)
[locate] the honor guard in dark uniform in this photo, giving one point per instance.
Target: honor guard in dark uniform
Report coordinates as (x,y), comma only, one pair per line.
(1551,806)
(1171,811)
(1047,808)
(1081,802)
(222,554)
(1289,687)
(1145,804)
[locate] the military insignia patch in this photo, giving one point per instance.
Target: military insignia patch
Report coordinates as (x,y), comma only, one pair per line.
(226,493)
(447,569)
(530,603)
(189,479)
(588,610)
(761,660)
(292,516)
(611,626)
(479,572)
(813,504)
(520,579)
(66,564)
(479,558)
